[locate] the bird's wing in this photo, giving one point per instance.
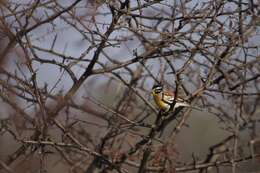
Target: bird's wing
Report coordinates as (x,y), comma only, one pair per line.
(168,97)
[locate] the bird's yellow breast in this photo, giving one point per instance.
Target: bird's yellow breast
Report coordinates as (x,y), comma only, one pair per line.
(158,100)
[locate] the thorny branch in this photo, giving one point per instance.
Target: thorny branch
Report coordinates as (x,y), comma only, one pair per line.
(76,79)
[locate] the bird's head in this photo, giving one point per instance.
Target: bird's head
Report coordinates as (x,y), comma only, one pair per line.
(157,89)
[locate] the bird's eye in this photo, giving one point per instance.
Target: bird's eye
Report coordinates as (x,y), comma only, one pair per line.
(157,91)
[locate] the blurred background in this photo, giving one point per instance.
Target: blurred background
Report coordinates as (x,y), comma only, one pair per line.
(76,80)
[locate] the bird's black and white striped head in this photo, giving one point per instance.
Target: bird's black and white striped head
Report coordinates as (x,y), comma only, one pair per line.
(157,89)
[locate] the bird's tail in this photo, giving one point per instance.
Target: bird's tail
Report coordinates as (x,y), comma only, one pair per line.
(182,104)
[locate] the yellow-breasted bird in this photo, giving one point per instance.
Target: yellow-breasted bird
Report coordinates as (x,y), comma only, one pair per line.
(165,99)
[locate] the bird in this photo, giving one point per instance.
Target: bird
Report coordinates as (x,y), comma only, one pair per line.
(166,100)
